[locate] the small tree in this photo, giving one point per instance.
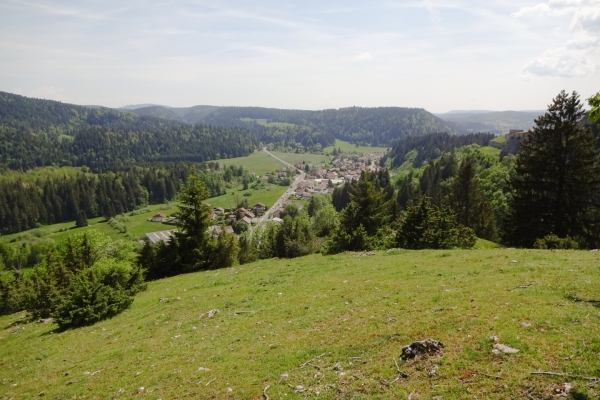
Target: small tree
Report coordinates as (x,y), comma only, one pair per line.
(81,220)
(426,226)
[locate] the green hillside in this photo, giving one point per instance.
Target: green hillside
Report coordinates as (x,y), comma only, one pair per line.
(330,327)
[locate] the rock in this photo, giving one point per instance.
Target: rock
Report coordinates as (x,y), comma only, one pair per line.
(433,371)
(526,324)
(203,369)
(415,349)
(494,339)
(209,314)
(560,391)
(502,348)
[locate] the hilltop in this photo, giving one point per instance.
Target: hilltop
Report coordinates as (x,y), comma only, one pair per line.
(331,327)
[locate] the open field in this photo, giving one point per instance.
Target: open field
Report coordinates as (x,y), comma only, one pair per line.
(499,139)
(263,121)
(258,162)
(294,158)
(267,196)
(490,151)
(331,327)
(348,147)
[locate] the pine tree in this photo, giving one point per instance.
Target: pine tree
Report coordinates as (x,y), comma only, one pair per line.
(556,186)
(81,220)
(469,203)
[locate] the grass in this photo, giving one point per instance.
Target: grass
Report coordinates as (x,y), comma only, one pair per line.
(263,121)
(350,315)
(294,158)
(348,147)
(258,162)
(490,151)
(268,196)
(499,139)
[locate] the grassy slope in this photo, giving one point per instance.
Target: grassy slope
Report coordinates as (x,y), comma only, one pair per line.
(267,196)
(42,172)
(294,158)
(258,162)
(263,121)
(499,139)
(356,311)
(348,147)
(490,151)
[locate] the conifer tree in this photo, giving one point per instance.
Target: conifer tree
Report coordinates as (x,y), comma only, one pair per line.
(556,187)
(469,203)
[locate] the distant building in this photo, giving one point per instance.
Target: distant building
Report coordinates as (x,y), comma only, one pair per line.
(513,139)
(216,230)
(160,217)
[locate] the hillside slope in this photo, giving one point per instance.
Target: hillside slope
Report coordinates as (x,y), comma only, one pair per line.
(330,327)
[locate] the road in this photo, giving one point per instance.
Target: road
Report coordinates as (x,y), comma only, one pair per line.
(291,190)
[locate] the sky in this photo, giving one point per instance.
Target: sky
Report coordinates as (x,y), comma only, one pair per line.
(438,55)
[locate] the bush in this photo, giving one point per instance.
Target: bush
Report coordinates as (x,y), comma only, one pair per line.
(554,242)
(98,293)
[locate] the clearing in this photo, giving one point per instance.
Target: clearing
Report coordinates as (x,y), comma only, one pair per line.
(348,147)
(331,327)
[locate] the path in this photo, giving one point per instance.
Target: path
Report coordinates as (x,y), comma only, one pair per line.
(291,190)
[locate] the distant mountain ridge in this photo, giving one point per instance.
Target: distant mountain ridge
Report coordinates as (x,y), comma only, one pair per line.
(496,122)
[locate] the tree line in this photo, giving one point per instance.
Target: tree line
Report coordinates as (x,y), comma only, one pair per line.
(51,200)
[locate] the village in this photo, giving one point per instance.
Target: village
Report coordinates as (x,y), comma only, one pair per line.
(315,180)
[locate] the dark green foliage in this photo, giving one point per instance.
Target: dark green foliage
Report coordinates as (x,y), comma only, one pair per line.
(435,178)
(469,203)
(556,188)
(426,226)
(240,227)
(554,242)
(31,135)
(291,210)
(316,203)
(294,237)
(247,249)
(407,192)
(96,293)
(375,126)
(431,146)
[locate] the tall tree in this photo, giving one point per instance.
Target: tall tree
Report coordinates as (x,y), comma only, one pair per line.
(556,186)
(469,203)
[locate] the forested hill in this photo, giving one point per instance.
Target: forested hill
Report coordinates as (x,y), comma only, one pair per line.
(375,126)
(428,147)
(35,133)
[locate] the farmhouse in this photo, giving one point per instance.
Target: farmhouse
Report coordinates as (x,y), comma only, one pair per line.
(160,217)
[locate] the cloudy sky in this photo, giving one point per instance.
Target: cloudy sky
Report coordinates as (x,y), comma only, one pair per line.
(439,55)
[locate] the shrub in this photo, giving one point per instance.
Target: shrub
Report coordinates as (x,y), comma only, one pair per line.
(98,293)
(554,242)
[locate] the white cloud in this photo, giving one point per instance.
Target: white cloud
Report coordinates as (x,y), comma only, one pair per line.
(364,56)
(580,56)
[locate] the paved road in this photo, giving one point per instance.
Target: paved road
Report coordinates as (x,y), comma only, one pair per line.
(291,190)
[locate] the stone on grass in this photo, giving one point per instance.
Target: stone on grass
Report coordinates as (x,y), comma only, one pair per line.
(209,314)
(502,348)
(424,347)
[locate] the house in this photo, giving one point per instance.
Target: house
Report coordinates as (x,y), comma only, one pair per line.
(216,230)
(276,219)
(160,217)
(162,236)
(259,208)
(247,221)
(249,214)
(219,210)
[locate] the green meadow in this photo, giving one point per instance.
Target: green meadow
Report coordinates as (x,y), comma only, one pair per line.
(331,327)
(258,162)
(348,147)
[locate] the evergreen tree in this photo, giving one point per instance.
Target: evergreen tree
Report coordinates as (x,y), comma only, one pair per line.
(556,186)
(469,203)
(81,220)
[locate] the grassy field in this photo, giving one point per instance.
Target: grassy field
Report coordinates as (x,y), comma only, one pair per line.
(267,196)
(348,147)
(294,158)
(331,327)
(258,162)
(499,139)
(263,121)
(490,151)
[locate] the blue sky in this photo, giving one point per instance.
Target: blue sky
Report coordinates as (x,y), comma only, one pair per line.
(439,55)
